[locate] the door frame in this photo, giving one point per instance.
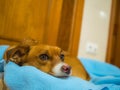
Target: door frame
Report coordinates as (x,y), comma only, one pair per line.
(112,31)
(77,23)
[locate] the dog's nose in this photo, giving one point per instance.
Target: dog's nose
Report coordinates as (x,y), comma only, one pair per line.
(66,69)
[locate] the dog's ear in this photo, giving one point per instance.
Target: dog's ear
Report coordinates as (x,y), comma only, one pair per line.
(17,53)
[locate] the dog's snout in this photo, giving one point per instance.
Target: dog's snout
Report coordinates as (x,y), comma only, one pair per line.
(66,69)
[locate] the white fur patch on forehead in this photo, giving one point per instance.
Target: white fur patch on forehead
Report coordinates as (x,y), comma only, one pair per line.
(57,70)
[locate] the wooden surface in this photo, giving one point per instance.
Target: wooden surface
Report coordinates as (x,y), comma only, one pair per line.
(70,25)
(23,18)
(54,17)
(1,84)
(116,52)
(111,31)
(53,22)
(113,49)
(65,27)
(76,28)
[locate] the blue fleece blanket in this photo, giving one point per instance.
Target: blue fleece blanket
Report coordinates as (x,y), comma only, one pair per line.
(103,77)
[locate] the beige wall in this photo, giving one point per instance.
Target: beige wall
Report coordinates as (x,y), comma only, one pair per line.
(95,28)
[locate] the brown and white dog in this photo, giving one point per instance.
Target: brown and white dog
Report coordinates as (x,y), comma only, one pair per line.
(50,59)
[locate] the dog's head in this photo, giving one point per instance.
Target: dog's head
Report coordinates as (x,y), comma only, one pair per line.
(49,59)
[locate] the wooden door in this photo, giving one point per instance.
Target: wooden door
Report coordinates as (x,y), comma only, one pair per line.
(113,54)
(23,18)
(53,22)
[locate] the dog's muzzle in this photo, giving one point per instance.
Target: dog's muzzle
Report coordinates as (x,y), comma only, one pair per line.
(62,69)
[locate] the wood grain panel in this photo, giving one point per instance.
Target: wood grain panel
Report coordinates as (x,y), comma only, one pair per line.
(54,17)
(70,26)
(8,42)
(111,37)
(116,53)
(65,26)
(53,22)
(76,27)
(113,49)
(1,85)
(23,18)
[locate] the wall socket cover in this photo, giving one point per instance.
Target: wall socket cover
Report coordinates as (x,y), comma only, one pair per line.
(91,48)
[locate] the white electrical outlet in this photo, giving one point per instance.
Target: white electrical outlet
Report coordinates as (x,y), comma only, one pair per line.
(91,48)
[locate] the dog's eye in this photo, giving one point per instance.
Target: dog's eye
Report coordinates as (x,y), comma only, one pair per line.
(62,57)
(44,57)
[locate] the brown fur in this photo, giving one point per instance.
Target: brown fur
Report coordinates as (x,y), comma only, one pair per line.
(77,68)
